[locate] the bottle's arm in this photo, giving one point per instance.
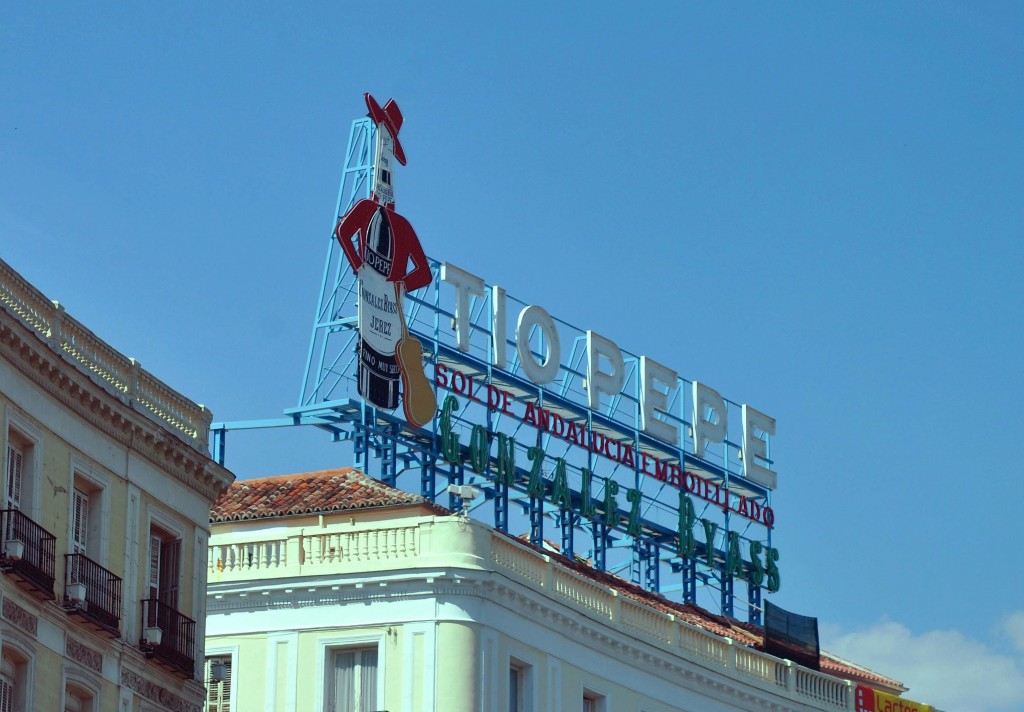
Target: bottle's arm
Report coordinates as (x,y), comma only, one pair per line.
(408,248)
(357,219)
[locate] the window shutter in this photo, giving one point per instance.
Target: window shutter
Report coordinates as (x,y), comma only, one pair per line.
(218,694)
(169,572)
(368,680)
(6,685)
(154,565)
(15,466)
(6,696)
(80,522)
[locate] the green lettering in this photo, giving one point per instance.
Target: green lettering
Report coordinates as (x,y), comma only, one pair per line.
(506,459)
(709,536)
(757,573)
(633,496)
(535,487)
(560,486)
(449,444)
(587,508)
(733,560)
(478,450)
(774,580)
(611,514)
(685,541)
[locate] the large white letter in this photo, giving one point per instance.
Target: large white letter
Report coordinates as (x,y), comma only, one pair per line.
(598,381)
(704,428)
(755,447)
(465,285)
(544,372)
(652,375)
(499,340)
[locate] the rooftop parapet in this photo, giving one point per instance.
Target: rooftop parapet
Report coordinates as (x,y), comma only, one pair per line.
(119,375)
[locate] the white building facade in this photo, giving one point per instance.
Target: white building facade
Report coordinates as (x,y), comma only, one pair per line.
(330,592)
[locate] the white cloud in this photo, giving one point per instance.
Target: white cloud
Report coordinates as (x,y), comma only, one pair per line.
(943,668)
(1013,627)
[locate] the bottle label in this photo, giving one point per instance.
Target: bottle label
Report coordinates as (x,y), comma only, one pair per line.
(380,321)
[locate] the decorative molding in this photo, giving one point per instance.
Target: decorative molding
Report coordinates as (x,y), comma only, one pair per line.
(81,653)
(20,617)
(91,402)
(155,693)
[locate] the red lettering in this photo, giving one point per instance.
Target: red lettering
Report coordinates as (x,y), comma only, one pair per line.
(531,414)
(755,511)
(441,375)
(493,397)
(692,483)
(675,475)
(506,397)
(573,434)
(456,386)
(661,471)
(472,389)
(627,456)
(769,517)
(597,441)
(742,509)
(557,424)
(644,457)
(545,418)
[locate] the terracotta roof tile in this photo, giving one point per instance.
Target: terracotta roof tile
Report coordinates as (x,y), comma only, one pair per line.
(347,488)
(308,493)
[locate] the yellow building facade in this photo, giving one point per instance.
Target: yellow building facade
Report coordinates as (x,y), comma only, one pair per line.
(331,592)
(104,529)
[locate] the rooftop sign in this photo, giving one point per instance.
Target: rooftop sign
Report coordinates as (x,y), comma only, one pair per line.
(446,375)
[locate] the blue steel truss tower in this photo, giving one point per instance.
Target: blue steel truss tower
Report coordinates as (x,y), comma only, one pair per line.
(331,345)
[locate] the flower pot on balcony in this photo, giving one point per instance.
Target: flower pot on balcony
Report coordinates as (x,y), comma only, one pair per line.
(77,593)
(153,636)
(14,549)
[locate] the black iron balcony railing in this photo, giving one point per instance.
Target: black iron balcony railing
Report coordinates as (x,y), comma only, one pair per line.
(28,551)
(93,592)
(174,644)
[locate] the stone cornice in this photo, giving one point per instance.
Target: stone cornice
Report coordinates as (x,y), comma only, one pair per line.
(77,392)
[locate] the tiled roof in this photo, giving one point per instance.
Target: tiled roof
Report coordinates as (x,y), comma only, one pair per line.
(740,632)
(347,488)
(308,493)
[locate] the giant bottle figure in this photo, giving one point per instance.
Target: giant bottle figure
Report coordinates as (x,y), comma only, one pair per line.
(390,358)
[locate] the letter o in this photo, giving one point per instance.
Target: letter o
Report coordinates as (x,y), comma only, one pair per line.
(545,371)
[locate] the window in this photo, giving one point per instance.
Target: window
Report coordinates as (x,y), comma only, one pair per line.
(14,679)
(352,680)
(520,686)
(77,700)
(593,702)
(164,566)
(90,512)
(218,684)
(20,460)
(7,673)
(15,474)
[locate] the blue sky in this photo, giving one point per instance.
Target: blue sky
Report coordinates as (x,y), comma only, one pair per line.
(815,208)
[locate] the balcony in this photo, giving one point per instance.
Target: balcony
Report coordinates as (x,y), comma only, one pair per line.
(168,636)
(93,593)
(28,553)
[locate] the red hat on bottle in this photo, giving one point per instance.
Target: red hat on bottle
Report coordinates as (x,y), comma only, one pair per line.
(391,118)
